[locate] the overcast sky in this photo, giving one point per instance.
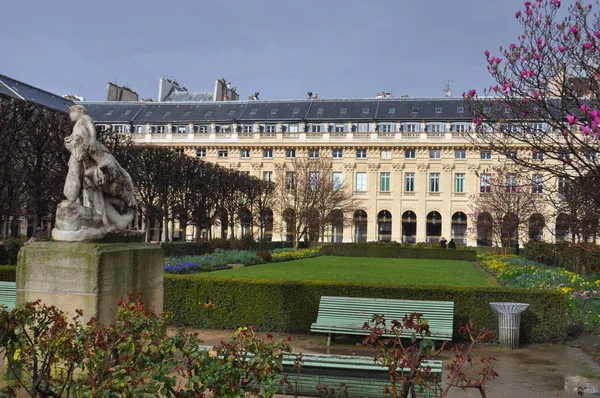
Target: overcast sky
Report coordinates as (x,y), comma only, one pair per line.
(280,48)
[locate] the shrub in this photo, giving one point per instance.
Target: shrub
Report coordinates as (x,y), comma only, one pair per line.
(9,251)
(581,258)
(8,273)
(395,251)
(291,306)
(265,255)
(296,254)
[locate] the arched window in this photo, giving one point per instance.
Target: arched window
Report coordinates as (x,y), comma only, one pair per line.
(409,227)
(434,227)
(563,224)
(459,227)
(384,226)
(360,226)
(336,220)
(267,225)
(536,227)
(484,229)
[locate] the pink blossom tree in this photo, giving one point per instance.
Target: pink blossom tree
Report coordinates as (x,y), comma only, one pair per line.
(546,93)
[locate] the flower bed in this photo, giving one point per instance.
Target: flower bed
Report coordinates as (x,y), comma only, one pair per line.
(287,255)
(210,262)
(583,293)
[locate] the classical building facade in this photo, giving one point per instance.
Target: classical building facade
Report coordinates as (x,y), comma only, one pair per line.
(407,160)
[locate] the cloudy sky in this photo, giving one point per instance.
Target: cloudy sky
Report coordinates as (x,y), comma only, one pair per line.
(280,48)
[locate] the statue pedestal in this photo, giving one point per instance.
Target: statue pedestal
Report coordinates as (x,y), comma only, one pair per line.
(91,276)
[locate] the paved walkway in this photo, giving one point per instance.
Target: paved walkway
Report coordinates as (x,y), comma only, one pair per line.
(536,370)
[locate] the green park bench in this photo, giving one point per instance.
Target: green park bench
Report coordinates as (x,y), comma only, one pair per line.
(360,375)
(8,294)
(347,315)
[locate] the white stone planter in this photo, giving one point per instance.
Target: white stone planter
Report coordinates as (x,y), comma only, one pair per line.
(509,316)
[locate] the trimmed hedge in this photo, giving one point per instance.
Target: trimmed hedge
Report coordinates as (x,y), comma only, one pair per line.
(182,249)
(396,251)
(581,258)
(8,273)
(291,306)
(9,251)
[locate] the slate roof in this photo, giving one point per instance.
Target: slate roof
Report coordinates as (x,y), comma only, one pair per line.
(113,111)
(13,88)
(309,110)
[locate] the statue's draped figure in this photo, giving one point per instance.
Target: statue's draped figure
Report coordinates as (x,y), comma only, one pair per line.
(99,193)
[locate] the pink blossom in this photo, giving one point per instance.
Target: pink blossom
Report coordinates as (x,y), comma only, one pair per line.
(487,53)
(518,14)
(472,93)
(588,45)
(597,34)
(595,113)
(584,108)
(556,3)
(536,95)
(573,29)
(562,49)
(585,130)
(571,119)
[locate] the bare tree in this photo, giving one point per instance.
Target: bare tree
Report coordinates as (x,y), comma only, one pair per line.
(508,202)
(306,195)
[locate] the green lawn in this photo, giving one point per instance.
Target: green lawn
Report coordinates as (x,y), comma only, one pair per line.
(369,270)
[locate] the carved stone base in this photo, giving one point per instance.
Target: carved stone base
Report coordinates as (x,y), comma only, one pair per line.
(77,223)
(90,276)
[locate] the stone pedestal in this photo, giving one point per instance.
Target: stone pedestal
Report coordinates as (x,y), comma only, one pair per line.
(91,276)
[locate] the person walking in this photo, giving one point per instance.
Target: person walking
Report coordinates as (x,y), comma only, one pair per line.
(443,242)
(452,244)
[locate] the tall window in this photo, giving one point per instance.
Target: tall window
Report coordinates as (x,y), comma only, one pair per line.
(222,153)
(460,154)
(386,154)
(434,182)
(267,175)
(315,128)
(290,153)
(511,183)
(537,183)
(459,182)
(337,153)
(338,180)
(244,153)
(270,128)
(563,184)
(313,179)
(485,155)
(201,152)
(384,181)
(248,128)
(435,154)
(485,182)
(537,155)
(340,128)
(313,153)
(361,181)
(361,153)
(410,153)
(290,180)
(267,153)
(409,182)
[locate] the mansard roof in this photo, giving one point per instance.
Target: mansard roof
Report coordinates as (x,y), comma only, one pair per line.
(13,88)
(309,110)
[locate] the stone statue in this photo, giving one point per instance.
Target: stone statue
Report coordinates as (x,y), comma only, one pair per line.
(100,194)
